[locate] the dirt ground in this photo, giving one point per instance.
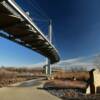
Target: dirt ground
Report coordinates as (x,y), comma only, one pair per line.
(25,93)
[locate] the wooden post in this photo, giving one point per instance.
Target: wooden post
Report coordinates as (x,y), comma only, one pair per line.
(91,82)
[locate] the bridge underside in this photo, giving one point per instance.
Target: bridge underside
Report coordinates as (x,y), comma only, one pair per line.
(20,28)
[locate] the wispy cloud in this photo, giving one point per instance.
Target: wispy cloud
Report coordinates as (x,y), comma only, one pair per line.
(85,62)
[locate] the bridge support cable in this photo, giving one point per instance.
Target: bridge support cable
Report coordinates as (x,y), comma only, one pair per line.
(38,15)
(39,9)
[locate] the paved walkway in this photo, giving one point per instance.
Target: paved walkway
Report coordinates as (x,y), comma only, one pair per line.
(25,93)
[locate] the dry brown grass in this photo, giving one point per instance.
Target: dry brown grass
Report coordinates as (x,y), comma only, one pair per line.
(79,75)
(68,84)
(6,77)
(12,75)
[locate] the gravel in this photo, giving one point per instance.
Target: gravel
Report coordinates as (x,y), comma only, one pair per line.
(72,94)
(65,92)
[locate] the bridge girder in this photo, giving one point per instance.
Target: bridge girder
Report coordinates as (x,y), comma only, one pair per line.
(20,28)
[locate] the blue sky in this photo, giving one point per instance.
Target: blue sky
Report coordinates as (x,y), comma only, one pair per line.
(12,54)
(76,31)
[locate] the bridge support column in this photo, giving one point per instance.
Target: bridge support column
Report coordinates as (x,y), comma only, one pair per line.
(49,68)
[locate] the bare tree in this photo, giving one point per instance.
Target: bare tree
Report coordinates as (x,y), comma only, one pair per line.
(97,62)
(81,68)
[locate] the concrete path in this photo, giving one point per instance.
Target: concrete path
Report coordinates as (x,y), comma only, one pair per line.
(21,92)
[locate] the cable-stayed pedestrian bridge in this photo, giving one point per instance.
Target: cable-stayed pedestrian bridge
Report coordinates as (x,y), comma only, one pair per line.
(20,28)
